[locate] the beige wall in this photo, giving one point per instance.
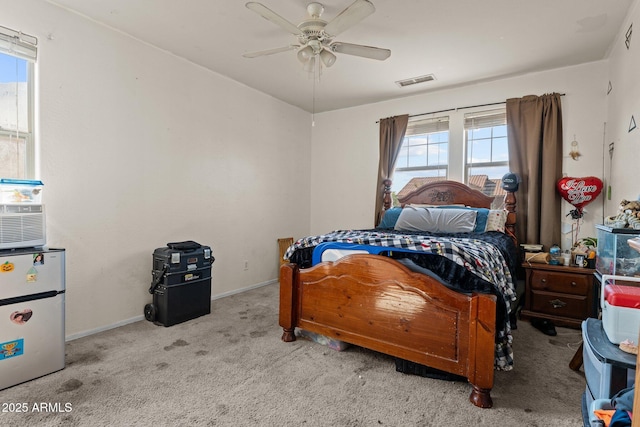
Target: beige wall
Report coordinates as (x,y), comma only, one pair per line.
(349,137)
(622,103)
(138,148)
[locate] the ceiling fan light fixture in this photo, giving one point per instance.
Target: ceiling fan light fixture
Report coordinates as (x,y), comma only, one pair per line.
(327,58)
(305,54)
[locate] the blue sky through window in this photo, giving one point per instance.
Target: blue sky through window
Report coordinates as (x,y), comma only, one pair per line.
(12,69)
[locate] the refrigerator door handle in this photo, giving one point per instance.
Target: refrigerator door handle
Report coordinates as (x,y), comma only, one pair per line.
(31,297)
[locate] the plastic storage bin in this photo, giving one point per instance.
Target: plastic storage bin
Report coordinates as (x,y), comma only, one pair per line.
(614,256)
(607,369)
(620,303)
(597,374)
(15,191)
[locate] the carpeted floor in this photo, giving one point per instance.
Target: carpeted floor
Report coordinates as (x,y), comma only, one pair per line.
(230,368)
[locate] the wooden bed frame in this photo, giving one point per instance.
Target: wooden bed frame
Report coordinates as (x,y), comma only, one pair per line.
(377,303)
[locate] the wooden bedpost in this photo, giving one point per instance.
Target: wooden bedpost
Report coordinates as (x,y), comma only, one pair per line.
(287,303)
(386,198)
(510,206)
(481,334)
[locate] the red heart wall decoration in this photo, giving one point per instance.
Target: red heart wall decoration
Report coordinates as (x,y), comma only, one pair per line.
(579,191)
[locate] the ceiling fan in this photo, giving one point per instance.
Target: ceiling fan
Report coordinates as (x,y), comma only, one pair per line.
(315,35)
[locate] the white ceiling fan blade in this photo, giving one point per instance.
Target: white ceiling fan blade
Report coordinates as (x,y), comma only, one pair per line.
(270,15)
(361,50)
(353,14)
(270,51)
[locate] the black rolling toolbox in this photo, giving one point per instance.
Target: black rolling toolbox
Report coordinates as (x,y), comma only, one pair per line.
(181,283)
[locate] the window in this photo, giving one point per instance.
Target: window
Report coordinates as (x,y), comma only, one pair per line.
(424,151)
(470,148)
(486,144)
(17,153)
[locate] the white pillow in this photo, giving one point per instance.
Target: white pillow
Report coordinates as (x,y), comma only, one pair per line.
(432,206)
(496,220)
(436,220)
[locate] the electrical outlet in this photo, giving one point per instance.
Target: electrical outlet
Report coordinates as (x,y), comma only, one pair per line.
(246,265)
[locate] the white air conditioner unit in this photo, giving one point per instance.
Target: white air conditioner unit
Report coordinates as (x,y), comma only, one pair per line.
(22,226)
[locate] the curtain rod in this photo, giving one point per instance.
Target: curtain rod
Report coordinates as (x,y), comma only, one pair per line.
(462,108)
(459,108)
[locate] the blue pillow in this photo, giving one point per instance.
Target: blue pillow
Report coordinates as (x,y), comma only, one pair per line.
(390,218)
(481,219)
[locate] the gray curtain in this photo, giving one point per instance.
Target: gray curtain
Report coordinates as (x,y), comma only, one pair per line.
(534,128)
(392,130)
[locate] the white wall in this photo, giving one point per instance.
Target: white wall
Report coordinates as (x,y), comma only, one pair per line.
(138,148)
(343,197)
(623,102)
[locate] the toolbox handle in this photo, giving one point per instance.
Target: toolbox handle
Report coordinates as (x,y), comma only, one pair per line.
(157,277)
(187,245)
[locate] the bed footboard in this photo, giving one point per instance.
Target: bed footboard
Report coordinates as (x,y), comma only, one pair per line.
(375,302)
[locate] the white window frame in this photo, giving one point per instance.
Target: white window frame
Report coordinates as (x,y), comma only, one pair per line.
(423,128)
(23,46)
(483,119)
(457,123)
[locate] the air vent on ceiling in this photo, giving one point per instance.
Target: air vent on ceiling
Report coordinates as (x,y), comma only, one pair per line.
(415,80)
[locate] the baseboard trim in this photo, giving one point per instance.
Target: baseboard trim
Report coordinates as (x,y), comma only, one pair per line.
(103,328)
(141,317)
(239,291)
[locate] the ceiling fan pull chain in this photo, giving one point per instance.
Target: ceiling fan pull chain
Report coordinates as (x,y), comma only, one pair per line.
(313,102)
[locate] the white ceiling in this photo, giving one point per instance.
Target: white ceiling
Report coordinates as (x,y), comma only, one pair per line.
(457,41)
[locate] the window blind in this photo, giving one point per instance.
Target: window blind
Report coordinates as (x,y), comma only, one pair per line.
(18,44)
(485,119)
(431,125)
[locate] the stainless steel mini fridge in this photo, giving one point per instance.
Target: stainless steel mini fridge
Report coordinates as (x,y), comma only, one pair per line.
(32,331)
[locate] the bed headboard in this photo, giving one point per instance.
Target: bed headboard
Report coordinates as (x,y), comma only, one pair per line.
(447,192)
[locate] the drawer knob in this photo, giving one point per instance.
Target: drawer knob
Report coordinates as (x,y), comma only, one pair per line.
(556,303)
(574,284)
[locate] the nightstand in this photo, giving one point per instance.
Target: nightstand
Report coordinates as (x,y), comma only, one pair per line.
(566,295)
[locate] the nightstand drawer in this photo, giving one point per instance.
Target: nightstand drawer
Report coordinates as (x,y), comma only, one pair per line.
(555,281)
(572,306)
